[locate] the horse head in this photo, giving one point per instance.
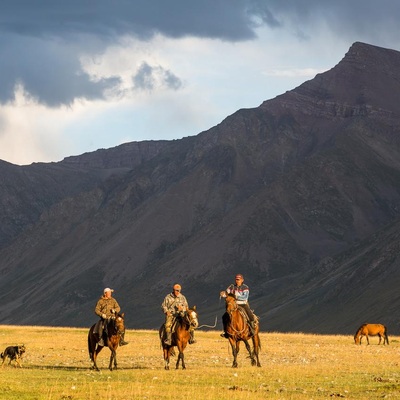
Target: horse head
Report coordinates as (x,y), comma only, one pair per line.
(192,317)
(230,303)
(119,323)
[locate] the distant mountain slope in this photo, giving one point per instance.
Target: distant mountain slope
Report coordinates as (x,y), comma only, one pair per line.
(301,195)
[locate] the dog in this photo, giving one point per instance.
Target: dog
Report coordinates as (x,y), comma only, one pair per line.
(14,353)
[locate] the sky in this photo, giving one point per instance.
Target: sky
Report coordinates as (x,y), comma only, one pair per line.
(80,75)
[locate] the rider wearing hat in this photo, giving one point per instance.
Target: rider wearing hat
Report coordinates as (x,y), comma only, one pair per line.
(241,293)
(106,308)
(173,304)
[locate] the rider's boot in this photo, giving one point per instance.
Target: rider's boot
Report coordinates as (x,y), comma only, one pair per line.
(224,335)
(168,339)
(122,340)
(100,342)
(252,325)
(192,339)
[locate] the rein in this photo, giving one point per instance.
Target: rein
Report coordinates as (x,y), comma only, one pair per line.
(209,326)
(215,323)
(115,329)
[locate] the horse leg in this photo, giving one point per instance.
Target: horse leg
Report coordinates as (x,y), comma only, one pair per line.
(235,351)
(256,349)
(181,344)
(181,357)
(246,343)
(113,359)
(166,357)
(367,339)
(94,359)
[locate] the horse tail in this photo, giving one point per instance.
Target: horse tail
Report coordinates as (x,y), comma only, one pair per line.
(89,345)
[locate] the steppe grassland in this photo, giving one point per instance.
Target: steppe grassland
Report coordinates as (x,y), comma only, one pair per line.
(294,366)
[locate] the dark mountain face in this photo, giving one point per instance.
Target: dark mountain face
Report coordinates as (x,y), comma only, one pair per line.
(301,195)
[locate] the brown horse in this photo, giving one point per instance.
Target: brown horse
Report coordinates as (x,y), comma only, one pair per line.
(371,330)
(115,326)
(236,326)
(180,336)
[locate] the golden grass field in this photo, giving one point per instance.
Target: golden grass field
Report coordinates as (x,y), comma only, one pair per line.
(294,366)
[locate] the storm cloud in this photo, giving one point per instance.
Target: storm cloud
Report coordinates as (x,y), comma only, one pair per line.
(42,41)
(80,75)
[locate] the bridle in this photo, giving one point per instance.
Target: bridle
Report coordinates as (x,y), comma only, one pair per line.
(117,326)
(231,306)
(190,318)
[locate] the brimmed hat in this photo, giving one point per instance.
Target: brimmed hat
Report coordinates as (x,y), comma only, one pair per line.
(107,289)
(240,276)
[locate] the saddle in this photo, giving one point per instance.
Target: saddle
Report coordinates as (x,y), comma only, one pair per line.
(246,318)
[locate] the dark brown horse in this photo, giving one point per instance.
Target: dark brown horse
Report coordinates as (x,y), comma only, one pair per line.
(238,330)
(115,326)
(180,336)
(371,330)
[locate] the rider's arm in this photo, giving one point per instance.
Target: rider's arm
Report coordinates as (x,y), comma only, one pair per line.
(165,306)
(98,310)
(116,307)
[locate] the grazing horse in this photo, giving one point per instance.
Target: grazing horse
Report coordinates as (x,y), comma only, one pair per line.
(371,330)
(237,329)
(115,326)
(180,336)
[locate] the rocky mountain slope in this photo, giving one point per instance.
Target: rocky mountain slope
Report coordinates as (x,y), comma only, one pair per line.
(301,195)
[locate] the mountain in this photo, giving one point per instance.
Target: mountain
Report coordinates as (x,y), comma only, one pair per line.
(301,195)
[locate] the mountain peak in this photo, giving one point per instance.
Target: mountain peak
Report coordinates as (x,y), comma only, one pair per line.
(357,84)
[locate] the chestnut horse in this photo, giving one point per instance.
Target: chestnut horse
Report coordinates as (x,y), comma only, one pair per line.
(238,330)
(180,336)
(115,326)
(371,330)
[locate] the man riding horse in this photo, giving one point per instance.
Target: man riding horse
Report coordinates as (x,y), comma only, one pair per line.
(106,308)
(241,293)
(173,305)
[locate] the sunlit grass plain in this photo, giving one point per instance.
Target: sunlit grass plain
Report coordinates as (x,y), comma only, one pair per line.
(294,366)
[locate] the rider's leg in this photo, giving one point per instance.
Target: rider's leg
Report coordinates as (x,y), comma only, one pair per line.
(192,339)
(225,318)
(100,330)
(122,339)
(250,316)
(168,327)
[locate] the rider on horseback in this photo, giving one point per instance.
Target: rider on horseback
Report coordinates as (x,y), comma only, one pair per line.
(106,308)
(174,303)
(241,293)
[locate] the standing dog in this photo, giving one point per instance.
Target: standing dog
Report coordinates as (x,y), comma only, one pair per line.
(13,353)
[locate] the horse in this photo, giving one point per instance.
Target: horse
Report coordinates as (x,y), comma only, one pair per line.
(180,336)
(115,326)
(237,329)
(372,330)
